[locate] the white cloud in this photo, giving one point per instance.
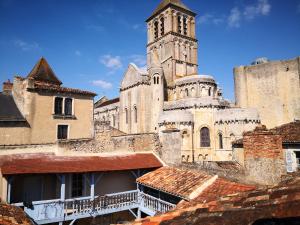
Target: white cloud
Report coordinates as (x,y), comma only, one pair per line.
(78,53)
(210,19)
(234,18)
(261,8)
(26,46)
(102,84)
(139,60)
(111,62)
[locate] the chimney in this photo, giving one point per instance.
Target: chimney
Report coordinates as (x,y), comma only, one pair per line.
(7,87)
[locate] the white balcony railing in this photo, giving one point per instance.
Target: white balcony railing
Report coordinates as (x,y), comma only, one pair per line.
(51,211)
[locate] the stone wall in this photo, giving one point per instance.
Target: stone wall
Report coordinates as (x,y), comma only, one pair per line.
(264,156)
(170,151)
(273,88)
(109,139)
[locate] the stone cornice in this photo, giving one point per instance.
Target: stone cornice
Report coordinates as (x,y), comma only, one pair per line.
(135,85)
(175,34)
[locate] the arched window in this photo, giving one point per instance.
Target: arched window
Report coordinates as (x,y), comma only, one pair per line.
(184,25)
(187,92)
(209,91)
(156,29)
(179,24)
(204,137)
(162,26)
(157,80)
(135,114)
(126,115)
(193,92)
(220,141)
(113,120)
(154,80)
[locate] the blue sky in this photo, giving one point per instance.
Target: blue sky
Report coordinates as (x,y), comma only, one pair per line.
(89,43)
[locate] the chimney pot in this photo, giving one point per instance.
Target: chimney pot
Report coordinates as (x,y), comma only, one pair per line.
(7,87)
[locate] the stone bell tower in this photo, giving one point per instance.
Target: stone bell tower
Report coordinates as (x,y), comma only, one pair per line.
(172,40)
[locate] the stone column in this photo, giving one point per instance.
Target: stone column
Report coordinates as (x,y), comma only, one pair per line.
(193,32)
(175,22)
(188,21)
(149,32)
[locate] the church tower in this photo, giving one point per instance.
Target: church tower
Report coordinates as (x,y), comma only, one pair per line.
(172,42)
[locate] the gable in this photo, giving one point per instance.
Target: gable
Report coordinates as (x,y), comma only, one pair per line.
(134,76)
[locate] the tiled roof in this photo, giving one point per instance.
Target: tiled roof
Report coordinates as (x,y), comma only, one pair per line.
(49,87)
(40,164)
(9,111)
(289,132)
(222,187)
(178,182)
(238,209)
(166,3)
(43,72)
(13,215)
(109,102)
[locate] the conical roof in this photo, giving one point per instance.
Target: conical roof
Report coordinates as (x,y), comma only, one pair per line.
(166,3)
(43,72)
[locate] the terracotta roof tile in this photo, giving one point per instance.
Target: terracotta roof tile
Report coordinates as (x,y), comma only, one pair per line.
(39,164)
(49,87)
(13,215)
(289,132)
(178,182)
(282,201)
(109,102)
(43,72)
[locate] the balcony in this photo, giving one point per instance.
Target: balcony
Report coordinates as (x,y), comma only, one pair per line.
(51,211)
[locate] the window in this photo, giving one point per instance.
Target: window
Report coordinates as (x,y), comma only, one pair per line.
(135,114)
(209,91)
(204,137)
(77,185)
(114,120)
(162,25)
(58,106)
(62,132)
(126,115)
(184,26)
(220,141)
(156,29)
(179,24)
(157,80)
(154,80)
(297,153)
(68,106)
(186,92)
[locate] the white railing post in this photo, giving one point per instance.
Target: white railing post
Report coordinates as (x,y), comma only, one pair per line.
(92,186)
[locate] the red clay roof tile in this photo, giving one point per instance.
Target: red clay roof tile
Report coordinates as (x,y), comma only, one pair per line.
(62,164)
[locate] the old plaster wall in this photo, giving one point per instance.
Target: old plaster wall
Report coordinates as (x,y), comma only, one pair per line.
(273,88)
(41,127)
(170,151)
